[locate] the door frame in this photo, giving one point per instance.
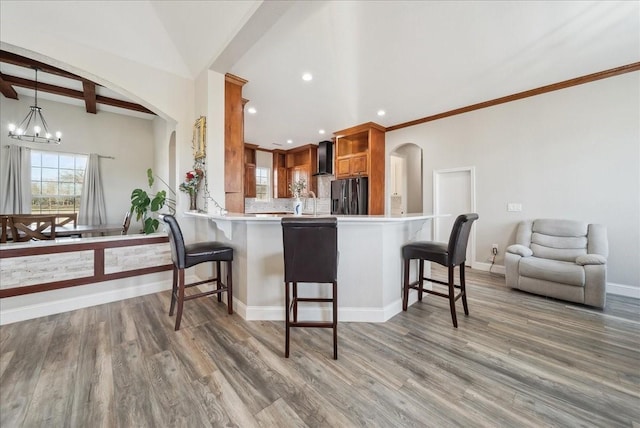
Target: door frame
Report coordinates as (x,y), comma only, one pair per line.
(437,174)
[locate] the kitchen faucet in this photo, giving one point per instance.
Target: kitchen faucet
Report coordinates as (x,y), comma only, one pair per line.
(315,202)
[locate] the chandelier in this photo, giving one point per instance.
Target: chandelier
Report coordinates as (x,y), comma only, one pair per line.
(40,129)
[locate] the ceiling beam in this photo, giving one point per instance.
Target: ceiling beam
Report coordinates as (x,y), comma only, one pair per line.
(122,104)
(90,96)
(91,99)
(11,58)
(6,89)
(72,93)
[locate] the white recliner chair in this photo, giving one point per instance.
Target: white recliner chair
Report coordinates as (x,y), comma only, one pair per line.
(563,259)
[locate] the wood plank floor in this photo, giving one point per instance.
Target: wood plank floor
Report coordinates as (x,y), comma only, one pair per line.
(518,360)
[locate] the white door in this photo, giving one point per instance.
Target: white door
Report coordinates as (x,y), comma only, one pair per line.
(454,193)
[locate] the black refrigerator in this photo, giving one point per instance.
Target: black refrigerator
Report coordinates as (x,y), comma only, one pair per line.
(349,196)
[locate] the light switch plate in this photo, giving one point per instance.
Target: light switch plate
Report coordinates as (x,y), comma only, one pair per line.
(514,206)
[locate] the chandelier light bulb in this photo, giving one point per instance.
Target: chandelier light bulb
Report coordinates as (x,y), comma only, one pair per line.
(37,130)
(48,135)
(58,135)
(19,131)
(12,127)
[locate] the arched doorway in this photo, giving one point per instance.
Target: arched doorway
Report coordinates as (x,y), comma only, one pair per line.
(405,183)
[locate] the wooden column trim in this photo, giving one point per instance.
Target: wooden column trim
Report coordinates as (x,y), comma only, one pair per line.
(234,143)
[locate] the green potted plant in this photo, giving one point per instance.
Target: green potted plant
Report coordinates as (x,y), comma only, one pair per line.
(146,204)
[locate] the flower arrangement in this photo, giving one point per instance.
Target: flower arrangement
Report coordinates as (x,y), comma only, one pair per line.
(192,181)
(297,187)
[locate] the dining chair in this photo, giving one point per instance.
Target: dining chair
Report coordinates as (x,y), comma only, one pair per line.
(65,219)
(449,255)
(28,227)
(310,256)
(186,256)
(4,226)
(126,223)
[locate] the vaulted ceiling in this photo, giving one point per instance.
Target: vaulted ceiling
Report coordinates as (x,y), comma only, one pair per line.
(412,59)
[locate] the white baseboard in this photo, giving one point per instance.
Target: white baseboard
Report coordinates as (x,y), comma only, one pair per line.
(345,314)
(623,290)
(486,267)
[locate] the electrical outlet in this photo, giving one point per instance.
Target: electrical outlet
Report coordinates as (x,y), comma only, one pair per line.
(494,249)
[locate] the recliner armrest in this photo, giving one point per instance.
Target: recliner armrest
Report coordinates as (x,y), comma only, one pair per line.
(520,250)
(591,259)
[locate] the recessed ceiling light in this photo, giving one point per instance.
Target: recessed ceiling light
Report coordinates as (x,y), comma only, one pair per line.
(307,77)
(252,110)
(381,112)
(321,132)
(289,141)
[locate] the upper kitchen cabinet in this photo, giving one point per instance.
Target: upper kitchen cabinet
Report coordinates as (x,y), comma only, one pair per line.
(360,153)
(280,189)
(250,170)
(302,163)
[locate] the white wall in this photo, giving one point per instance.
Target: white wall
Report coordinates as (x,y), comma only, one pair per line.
(128,139)
(572,154)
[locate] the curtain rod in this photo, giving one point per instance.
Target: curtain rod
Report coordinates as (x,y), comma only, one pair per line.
(66,153)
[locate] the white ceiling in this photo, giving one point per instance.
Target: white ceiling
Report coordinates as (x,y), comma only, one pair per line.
(412,59)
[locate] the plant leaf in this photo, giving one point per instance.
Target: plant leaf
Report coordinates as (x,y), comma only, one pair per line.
(150,177)
(158,200)
(150,225)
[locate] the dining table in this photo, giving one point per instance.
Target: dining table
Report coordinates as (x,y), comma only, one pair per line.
(84,229)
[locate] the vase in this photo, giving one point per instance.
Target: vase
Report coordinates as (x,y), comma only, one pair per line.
(297,206)
(193,201)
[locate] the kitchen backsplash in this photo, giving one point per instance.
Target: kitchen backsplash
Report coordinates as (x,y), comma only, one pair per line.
(285,205)
(279,205)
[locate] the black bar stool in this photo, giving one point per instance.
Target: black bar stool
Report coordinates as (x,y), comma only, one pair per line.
(449,255)
(186,256)
(310,255)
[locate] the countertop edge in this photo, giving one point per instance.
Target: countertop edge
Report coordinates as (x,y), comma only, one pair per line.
(341,218)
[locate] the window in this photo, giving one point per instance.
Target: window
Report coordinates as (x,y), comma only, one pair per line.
(262,183)
(56,182)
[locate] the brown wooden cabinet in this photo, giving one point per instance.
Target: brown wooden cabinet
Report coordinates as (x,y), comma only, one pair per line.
(302,162)
(279,174)
(352,166)
(250,170)
(360,153)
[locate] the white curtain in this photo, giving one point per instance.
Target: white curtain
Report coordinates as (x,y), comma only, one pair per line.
(16,191)
(92,207)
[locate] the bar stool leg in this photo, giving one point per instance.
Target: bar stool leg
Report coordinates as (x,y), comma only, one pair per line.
(335,320)
(295,302)
(463,289)
(452,298)
(405,290)
(174,290)
(218,281)
(286,310)
(229,288)
(181,287)
(421,279)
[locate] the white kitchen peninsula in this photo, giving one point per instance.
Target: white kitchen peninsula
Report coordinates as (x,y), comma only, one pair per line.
(369,264)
